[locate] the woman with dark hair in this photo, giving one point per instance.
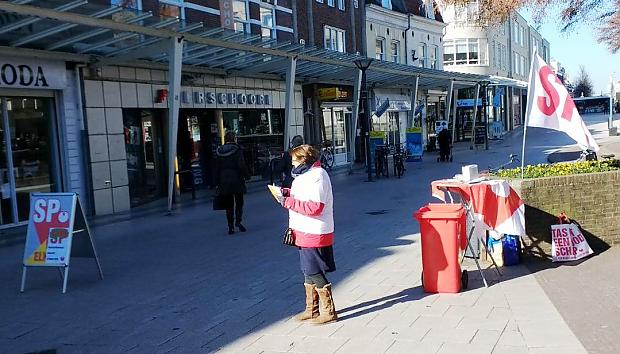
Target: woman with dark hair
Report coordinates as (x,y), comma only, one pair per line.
(231,173)
(287,163)
(311,217)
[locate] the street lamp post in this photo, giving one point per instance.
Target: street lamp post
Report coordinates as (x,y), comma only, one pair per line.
(363,64)
(485,113)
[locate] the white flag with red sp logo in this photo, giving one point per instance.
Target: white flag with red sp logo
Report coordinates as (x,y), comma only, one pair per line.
(550,106)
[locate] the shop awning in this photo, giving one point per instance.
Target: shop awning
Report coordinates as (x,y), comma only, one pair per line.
(114,35)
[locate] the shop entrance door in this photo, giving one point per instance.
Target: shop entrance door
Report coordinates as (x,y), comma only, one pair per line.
(336,124)
(145,155)
(27,157)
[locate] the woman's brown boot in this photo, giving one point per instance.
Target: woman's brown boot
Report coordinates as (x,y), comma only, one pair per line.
(312,304)
(327,309)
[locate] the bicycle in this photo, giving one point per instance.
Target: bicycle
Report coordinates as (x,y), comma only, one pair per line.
(327,156)
(400,155)
(587,155)
(513,159)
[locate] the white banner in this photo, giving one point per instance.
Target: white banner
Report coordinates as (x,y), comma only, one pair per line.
(32,74)
(568,243)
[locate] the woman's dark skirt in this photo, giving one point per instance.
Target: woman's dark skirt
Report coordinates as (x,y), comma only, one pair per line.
(317,260)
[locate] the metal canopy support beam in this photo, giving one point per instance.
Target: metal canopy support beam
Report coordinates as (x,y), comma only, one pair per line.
(64,27)
(414,103)
(454,98)
(93,33)
(126,36)
(174,103)
(289,113)
(149,47)
(30,20)
(473,128)
(448,102)
(355,116)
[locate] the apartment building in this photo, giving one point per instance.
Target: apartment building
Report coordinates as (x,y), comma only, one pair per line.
(503,50)
(269,18)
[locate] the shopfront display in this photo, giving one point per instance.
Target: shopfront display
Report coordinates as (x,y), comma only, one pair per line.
(144,146)
(261,135)
(28,158)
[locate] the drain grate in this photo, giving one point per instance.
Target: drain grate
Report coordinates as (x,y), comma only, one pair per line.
(376,212)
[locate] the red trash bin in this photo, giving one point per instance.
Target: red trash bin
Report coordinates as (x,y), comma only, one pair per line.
(441,227)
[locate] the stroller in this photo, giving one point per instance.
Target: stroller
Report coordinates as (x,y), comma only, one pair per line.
(444,139)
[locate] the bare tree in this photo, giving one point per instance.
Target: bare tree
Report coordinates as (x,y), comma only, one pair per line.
(583,84)
(601,14)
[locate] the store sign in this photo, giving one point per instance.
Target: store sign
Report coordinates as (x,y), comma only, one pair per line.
(223,98)
(332,93)
(30,73)
(467,102)
(227,17)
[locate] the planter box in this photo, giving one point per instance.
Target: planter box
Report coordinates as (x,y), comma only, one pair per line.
(592,200)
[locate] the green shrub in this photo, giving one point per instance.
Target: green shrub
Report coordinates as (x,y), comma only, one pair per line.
(560,169)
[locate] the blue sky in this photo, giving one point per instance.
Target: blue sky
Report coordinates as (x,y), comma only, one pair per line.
(580,47)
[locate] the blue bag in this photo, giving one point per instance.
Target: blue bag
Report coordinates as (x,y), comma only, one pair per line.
(511,245)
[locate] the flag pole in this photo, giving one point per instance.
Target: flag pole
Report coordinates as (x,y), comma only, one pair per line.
(530,101)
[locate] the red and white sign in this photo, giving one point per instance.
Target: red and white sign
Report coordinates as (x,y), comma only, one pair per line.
(568,243)
(227,15)
(550,106)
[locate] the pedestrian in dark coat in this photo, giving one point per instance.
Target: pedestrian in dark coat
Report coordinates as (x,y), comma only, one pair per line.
(287,162)
(231,173)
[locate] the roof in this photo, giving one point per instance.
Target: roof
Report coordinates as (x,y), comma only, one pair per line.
(81,31)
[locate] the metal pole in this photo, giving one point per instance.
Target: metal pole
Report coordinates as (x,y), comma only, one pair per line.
(455,96)
(364,97)
(485,116)
(355,117)
(473,127)
(448,102)
(289,113)
(174,87)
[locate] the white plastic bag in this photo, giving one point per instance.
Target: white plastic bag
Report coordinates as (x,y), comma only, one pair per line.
(568,242)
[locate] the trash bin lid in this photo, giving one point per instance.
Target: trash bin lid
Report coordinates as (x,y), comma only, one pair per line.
(440,211)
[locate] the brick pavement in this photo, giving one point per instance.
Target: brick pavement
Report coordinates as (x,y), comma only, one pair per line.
(180,284)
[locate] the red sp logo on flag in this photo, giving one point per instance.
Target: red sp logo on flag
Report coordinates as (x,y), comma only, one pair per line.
(550,105)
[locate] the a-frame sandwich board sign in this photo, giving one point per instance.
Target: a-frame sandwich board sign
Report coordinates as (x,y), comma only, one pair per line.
(57,231)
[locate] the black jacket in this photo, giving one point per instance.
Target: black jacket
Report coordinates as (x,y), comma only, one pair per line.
(231,169)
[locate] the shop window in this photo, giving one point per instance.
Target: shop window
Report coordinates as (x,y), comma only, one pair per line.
(29,122)
(261,135)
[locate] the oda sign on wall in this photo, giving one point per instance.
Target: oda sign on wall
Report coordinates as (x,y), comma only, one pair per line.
(32,73)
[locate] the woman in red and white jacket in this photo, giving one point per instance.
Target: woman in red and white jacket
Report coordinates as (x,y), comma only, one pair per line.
(311,217)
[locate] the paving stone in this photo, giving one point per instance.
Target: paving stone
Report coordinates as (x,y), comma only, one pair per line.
(512,339)
(318,345)
(486,337)
(437,322)
(506,349)
(453,335)
(275,342)
(411,347)
(356,331)
(459,348)
(369,346)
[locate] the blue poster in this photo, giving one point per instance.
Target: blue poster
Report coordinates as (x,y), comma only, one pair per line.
(414,143)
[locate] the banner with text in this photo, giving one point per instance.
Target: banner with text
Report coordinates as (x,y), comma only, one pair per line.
(568,243)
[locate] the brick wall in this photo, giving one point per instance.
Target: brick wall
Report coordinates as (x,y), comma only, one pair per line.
(589,199)
(331,16)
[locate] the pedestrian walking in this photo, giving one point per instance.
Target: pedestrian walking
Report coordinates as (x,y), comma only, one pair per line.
(287,163)
(231,173)
(311,217)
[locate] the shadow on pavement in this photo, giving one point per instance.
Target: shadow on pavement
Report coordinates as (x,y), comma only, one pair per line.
(407,295)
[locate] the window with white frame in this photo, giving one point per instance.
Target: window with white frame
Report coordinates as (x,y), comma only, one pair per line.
(434,57)
(494,56)
(504,57)
(521,35)
(380,48)
(319,1)
(470,51)
(395,51)
(387,4)
(267,23)
(331,3)
(423,54)
(240,14)
(341,5)
(334,39)
(515,62)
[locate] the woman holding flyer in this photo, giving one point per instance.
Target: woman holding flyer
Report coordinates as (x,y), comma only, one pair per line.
(311,218)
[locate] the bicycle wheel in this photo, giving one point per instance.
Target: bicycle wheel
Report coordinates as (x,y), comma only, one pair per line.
(329,157)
